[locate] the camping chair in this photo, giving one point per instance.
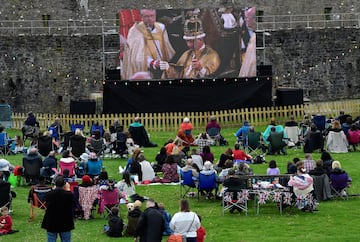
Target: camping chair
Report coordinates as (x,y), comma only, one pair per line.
(207,183)
(255,145)
(4,144)
(45,145)
(187,182)
(37,198)
(97,127)
(31,170)
(339,184)
(108,200)
(292,133)
(67,165)
(78,145)
(73,127)
(235,200)
(315,142)
(322,190)
(320,122)
(214,134)
(5,194)
(277,142)
(243,139)
(87,196)
(97,146)
(120,143)
(94,167)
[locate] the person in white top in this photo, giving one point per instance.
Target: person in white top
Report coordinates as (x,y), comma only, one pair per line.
(185,222)
(148,173)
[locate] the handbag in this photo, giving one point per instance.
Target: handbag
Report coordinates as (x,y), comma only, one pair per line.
(176,238)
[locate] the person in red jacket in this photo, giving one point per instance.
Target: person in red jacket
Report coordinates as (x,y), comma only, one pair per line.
(5,221)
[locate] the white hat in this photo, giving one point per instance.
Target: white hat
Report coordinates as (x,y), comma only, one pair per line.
(186,120)
(207,165)
(84,156)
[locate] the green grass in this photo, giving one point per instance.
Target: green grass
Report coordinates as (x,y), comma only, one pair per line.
(335,220)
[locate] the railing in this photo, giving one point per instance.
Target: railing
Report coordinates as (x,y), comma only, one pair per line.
(110,26)
(171,121)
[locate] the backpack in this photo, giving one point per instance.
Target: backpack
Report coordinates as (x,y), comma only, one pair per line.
(259,159)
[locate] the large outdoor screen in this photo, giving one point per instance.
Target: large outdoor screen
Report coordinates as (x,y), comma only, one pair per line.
(187,43)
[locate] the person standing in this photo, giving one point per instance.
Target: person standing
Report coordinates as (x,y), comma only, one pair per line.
(185,222)
(147,47)
(58,218)
(151,224)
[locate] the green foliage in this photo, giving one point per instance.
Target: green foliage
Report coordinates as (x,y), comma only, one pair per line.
(335,220)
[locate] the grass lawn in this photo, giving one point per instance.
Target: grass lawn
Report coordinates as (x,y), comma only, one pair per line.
(336,220)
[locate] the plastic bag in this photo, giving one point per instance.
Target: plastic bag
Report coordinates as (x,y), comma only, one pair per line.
(13,180)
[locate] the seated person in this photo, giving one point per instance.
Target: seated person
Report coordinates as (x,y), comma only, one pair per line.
(318,170)
(160,159)
(313,139)
(244,169)
(336,140)
(59,130)
(126,186)
(147,171)
(97,142)
(46,143)
(88,193)
(241,134)
(67,162)
(32,163)
(18,145)
(6,168)
(197,159)
(185,132)
(213,129)
(78,143)
(93,165)
(49,166)
(302,184)
(354,136)
(227,155)
(207,155)
(229,164)
(5,221)
(189,166)
(234,184)
(276,141)
(239,155)
(203,140)
(338,177)
(115,224)
(169,170)
(278,128)
(139,134)
(292,131)
(133,157)
(272,169)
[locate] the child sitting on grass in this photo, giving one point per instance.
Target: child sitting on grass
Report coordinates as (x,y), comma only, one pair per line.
(116,225)
(5,221)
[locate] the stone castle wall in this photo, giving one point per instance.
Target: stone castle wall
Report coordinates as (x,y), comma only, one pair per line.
(43,73)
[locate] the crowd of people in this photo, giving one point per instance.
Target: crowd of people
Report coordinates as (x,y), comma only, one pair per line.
(184,153)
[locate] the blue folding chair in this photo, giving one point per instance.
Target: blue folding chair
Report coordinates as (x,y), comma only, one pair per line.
(207,183)
(4,148)
(73,127)
(97,127)
(187,182)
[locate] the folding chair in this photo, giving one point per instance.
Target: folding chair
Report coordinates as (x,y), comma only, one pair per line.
(94,167)
(4,147)
(235,200)
(37,198)
(214,134)
(67,165)
(45,145)
(339,184)
(320,122)
(187,182)
(292,133)
(73,127)
(54,132)
(97,127)
(97,146)
(322,189)
(277,142)
(78,145)
(255,146)
(315,142)
(207,183)
(108,200)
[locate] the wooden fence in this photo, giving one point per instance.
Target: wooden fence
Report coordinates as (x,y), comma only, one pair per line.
(171,121)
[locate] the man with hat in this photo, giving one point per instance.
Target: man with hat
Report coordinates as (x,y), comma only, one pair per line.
(199,60)
(147,47)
